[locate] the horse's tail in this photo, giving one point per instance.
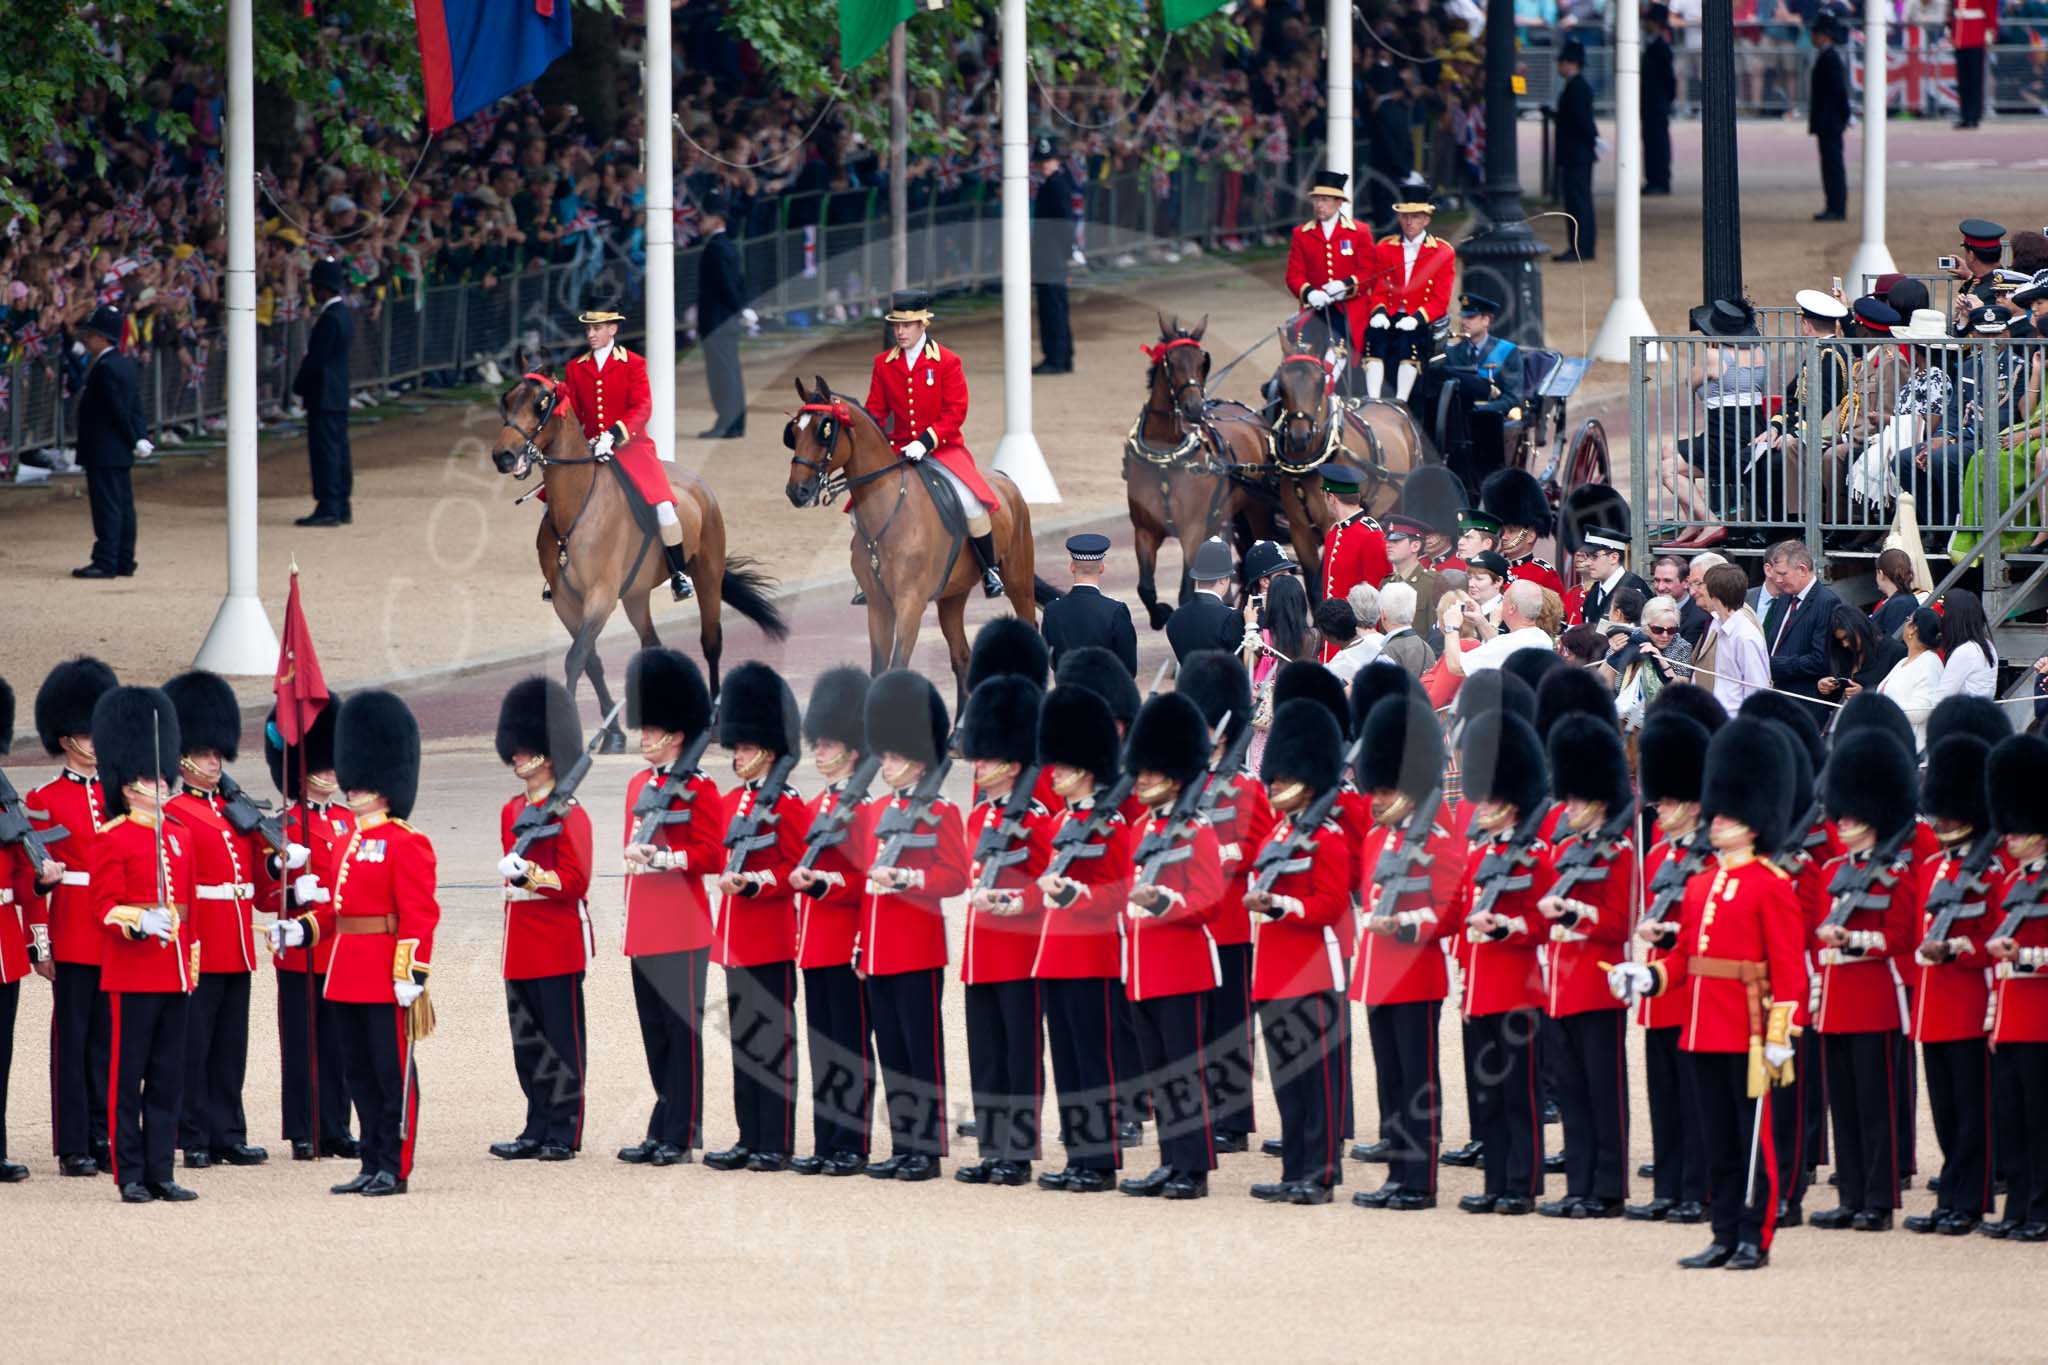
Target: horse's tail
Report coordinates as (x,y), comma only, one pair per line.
(1044,593)
(747,588)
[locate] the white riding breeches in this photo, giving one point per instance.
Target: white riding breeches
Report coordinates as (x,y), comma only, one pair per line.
(970,506)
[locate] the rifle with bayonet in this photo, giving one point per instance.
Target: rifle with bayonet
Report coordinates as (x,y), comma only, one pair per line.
(1294,853)
(1003,843)
(1497,873)
(1851,885)
(1667,889)
(1222,781)
(897,830)
(1586,860)
(16,828)
(756,829)
(1158,851)
(653,806)
(2026,899)
(247,817)
(1405,870)
(544,819)
(1958,898)
(833,826)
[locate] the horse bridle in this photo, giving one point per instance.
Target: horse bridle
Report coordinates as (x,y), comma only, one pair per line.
(530,452)
(1200,384)
(833,418)
(1329,392)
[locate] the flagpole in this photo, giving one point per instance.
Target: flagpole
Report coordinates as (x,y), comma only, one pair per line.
(1873,257)
(1018,454)
(240,642)
(659,117)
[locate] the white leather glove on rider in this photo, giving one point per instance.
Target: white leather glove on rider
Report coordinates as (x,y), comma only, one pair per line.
(1379,322)
(1406,324)
(751,317)
(287,933)
(916,450)
(1319,298)
(1777,1054)
(295,856)
(512,867)
(306,889)
(1338,289)
(144,448)
(158,923)
(1630,980)
(406,992)
(603,444)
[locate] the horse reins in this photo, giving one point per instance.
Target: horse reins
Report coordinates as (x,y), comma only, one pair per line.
(830,485)
(532,453)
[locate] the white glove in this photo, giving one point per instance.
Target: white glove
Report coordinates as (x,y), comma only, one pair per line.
(512,867)
(306,889)
(1406,324)
(287,933)
(144,448)
(1379,322)
(1319,298)
(1630,980)
(1777,1054)
(603,444)
(1338,289)
(295,856)
(753,319)
(406,992)
(158,923)
(916,450)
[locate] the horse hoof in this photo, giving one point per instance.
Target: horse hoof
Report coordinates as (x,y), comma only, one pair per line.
(614,741)
(1159,612)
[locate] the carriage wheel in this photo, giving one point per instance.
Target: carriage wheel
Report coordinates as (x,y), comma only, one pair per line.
(1586,458)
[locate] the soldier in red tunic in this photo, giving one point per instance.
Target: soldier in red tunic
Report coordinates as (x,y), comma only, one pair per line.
(1514,499)
(142,896)
(80,1027)
(1415,270)
(1354,548)
(384,911)
(917,392)
(1330,268)
(2019,1005)
(548,939)
(1413,872)
(766,821)
(610,392)
(1963,892)
(1738,942)
(673,828)
(24,936)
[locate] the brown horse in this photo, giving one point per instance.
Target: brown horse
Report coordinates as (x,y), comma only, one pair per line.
(903,556)
(1178,459)
(595,555)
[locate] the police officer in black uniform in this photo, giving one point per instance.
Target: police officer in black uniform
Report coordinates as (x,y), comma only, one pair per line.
(1052,244)
(1828,112)
(1085,616)
(1205,620)
(112,435)
(322,384)
(1577,149)
(1659,93)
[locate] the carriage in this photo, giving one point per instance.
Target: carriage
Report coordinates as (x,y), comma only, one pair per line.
(1531,436)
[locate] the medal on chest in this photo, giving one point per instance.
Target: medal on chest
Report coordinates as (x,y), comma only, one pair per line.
(370,851)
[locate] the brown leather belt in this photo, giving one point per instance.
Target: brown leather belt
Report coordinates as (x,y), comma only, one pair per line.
(366,924)
(1728,969)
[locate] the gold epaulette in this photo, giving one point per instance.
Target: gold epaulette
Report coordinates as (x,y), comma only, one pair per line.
(394,820)
(1780,873)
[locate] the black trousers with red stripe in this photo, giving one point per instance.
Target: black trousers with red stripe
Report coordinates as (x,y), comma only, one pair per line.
(1134,1096)
(80,1039)
(1906,1098)
(1301,1060)
(551,1054)
(1006,1063)
(309,1054)
(10,997)
(1347,1101)
(1228,1046)
(1170,1032)
(216,1062)
(1507,1104)
(1798,1112)
(1727,1120)
(910,1042)
(146,1070)
(383,1083)
(760,1016)
(1674,1118)
(2022,1085)
(842,1045)
(1959,1099)
(1410,1088)
(1862,1095)
(1592,1098)
(668,995)
(1080,1020)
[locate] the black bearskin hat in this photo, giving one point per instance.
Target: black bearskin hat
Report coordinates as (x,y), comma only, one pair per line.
(1008,645)
(1870,778)
(1797,718)
(665,690)
(1953,786)
(209,717)
(756,707)
(1532,666)
(1076,730)
(1170,737)
(1671,757)
(377,749)
(1102,673)
(128,752)
(1373,684)
(65,701)
(2013,786)
(1514,498)
(314,753)
(838,700)
(1694,702)
(1001,720)
(1590,507)
(1501,759)
(1214,680)
(1749,779)
(1873,710)
(1963,714)
(537,716)
(1573,692)
(1304,745)
(1433,495)
(904,715)
(6,716)
(1404,747)
(1300,679)
(1587,761)
(1493,691)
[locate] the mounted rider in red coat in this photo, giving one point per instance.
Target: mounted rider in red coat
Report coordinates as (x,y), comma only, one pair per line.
(1415,270)
(612,398)
(918,395)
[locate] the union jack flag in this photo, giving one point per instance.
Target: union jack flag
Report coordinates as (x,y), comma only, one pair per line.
(6,382)
(195,377)
(1917,80)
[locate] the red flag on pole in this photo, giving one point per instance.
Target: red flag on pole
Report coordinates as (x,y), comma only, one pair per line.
(301,690)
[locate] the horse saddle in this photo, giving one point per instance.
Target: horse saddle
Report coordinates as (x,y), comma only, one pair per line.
(642,510)
(952,516)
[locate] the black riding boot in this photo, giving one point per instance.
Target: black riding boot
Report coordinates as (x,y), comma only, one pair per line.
(678,579)
(985,551)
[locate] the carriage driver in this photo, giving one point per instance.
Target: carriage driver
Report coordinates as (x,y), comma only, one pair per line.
(918,394)
(609,390)
(1414,268)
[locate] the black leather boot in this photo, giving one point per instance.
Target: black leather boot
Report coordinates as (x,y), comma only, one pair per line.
(678,581)
(985,552)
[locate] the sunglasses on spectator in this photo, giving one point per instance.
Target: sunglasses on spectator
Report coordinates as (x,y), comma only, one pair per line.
(1662,630)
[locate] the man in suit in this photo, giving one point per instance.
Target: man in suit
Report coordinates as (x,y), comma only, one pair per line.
(721,311)
(1577,149)
(322,384)
(1798,618)
(1828,114)
(1611,573)
(1052,244)
(1659,92)
(1085,616)
(1205,620)
(111,437)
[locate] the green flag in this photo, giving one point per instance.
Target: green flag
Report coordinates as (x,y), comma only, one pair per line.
(865,25)
(1179,13)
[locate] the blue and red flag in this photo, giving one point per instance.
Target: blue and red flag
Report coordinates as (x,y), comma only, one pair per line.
(473,52)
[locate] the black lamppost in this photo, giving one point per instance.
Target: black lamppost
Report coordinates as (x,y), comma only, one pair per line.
(1502,260)
(1721,195)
